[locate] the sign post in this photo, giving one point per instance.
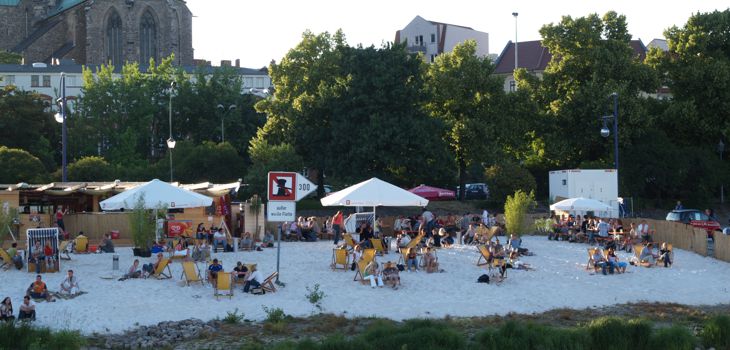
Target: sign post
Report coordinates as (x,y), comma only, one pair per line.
(284,190)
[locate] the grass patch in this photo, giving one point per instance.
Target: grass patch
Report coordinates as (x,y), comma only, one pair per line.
(233,317)
(26,336)
(716,332)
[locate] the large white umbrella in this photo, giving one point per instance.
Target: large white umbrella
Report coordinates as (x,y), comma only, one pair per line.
(374,193)
(581,204)
(157,194)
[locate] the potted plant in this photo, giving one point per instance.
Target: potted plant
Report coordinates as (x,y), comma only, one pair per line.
(142,225)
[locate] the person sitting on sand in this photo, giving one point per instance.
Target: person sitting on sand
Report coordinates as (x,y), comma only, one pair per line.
(647,257)
(38,290)
(514,263)
(70,284)
(430,260)
(6,310)
(148,269)
(253,280)
(390,275)
(133,272)
(613,262)
(107,246)
(27,310)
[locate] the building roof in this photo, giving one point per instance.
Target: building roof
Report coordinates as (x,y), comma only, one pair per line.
(9,2)
(97,188)
(535,57)
(64,5)
(78,68)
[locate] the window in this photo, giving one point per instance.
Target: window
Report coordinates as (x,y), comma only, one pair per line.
(512,86)
(46,81)
(433,38)
(147,38)
(35,81)
(9,80)
(248,82)
(113,47)
(71,80)
(433,58)
(260,83)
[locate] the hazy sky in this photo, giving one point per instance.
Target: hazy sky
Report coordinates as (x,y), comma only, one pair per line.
(259,31)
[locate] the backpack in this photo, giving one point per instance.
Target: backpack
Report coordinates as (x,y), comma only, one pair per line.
(483,279)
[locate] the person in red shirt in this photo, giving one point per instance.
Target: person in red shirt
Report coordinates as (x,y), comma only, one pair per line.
(49,257)
(59,220)
(337,225)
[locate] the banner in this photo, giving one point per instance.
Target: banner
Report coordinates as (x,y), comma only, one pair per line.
(176,228)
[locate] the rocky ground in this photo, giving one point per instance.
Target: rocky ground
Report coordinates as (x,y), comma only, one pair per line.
(217,334)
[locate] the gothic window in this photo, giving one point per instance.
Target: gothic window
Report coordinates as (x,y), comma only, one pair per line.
(114,39)
(147,38)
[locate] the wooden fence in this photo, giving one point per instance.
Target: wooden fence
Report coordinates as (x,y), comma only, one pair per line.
(95,225)
(680,235)
(722,246)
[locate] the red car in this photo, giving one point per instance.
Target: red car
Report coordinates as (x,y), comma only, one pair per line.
(696,218)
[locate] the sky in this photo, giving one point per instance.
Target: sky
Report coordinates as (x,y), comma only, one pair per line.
(258,31)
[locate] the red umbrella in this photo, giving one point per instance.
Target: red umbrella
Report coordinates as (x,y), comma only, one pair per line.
(433,193)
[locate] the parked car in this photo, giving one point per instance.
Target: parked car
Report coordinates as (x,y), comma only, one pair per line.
(696,218)
(474,191)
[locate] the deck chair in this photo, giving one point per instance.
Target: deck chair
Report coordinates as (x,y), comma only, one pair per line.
(349,241)
(368,255)
(160,270)
(591,262)
(81,245)
(360,272)
(7,260)
(340,259)
(63,250)
(379,246)
(268,284)
(404,256)
(637,251)
(191,273)
(415,241)
(484,254)
(495,269)
(223,286)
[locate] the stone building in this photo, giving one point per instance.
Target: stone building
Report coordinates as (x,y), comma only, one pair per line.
(97,31)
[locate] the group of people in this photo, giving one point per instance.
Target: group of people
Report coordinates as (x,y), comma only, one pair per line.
(250,276)
(609,232)
(38,290)
(305,229)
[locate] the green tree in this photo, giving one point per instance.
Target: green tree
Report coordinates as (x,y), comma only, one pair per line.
(266,157)
(7,57)
(467,98)
(17,165)
(507,178)
(90,169)
(216,162)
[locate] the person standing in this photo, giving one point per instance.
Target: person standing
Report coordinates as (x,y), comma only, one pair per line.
(59,220)
(679,206)
(337,225)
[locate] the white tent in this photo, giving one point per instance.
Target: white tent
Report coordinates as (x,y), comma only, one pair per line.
(156,194)
(581,205)
(373,193)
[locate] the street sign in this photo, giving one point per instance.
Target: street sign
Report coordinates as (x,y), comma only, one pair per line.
(282,186)
(281,211)
(304,186)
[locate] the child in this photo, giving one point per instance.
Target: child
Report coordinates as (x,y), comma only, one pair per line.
(49,257)
(412,259)
(665,255)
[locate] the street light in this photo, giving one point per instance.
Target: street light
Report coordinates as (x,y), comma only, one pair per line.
(170,140)
(223,114)
(721,150)
(515,15)
(61,118)
(606,133)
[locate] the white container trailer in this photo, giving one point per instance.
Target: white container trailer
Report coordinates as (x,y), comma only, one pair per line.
(598,184)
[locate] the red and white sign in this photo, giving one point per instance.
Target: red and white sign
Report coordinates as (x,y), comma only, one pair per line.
(282,186)
(179,227)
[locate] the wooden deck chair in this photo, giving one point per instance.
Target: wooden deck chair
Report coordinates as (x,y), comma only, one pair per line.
(638,248)
(403,259)
(7,260)
(81,245)
(191,273)
(496,265)
(360,272)
(63,250)
(160,270)
(379,246)
(484,254)
(591,263)
(340,259)
(268,284)
(349,241)
(415,241)
(223,286)
(368,255)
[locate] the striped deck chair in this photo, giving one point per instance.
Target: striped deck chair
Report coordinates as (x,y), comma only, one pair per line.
(191,273)
(223,285)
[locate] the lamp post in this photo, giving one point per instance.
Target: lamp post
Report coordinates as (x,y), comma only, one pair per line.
(721,150)
(223,115)
(605,133)
(515,14)
(61,118)
(170,140)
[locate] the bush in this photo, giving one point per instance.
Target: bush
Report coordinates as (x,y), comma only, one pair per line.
(717,332)
(515,209)
(276,320)
(315,296)
(25,336)
(672,338)
(413,334)
(17,165)
(233,317)
(507,178)
(612,333)
(518,335)
(90,169)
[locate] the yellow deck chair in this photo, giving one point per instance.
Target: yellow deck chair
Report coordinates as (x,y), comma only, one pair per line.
(62,250)
(484,254)
(340,259)
(160,270)
(404,256)
(415,241)
(368,255)
(191,273)
(360,272)
(379,246)
(349,241)
(223,285)
(7,260)
(591,262)
(81,245)
(268,284)
(638,248)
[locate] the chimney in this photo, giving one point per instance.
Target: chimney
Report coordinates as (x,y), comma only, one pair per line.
(238,62)
(225,63)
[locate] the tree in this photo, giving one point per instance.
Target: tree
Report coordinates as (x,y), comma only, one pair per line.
(17,165)
(507,178)
(467,98)
(7,57)
(90,169)
(216,162)
(266,157)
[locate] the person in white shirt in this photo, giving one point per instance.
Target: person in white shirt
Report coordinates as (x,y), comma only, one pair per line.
(219,238)
(254,279)
(27,309)
(70,284)
(403,240)
(643,230)
(485,218)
